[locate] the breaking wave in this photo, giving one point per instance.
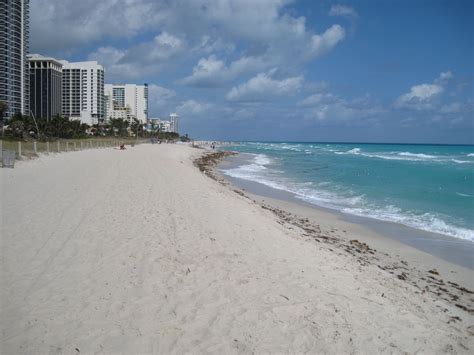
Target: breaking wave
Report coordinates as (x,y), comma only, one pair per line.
(260,169)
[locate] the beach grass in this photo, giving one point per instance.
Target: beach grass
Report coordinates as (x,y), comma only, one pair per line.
(26,148)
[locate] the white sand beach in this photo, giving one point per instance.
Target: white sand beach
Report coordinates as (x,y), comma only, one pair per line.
(137,251)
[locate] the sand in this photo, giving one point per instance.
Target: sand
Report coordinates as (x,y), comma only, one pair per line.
(137,251)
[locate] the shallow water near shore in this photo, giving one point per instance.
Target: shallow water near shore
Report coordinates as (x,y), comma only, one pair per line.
(427,187)
(455,250)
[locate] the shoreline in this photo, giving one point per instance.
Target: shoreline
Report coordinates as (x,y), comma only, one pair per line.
(421,269)
(138,251)
(448,248)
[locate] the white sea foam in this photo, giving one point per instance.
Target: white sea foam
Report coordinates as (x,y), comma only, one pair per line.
(405,156)
(463,195)
(257,170)
(470,155)
(324,183)
(290,147)
(417,155)
(262,159)
(427,222)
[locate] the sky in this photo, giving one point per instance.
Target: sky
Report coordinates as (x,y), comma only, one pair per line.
(281,70)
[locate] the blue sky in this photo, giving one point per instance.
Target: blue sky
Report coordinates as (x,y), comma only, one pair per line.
(371,71)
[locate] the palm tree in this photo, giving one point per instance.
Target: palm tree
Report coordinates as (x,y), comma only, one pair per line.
(119,126)
(3,108)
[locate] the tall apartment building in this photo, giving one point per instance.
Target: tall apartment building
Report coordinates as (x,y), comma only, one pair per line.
(133,96)
(170,125)
(83,91)
(115,111)
(14,41)
(174,122)
(45,86)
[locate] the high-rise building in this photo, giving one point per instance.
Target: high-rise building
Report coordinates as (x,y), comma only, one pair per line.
(45,86)
(174,122)
(133,96)
(83,91)
(170,125)
(14,41)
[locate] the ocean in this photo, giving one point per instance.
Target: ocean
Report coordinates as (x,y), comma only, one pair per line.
(427,187)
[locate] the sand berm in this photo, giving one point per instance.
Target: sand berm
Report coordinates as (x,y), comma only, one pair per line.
(138,251)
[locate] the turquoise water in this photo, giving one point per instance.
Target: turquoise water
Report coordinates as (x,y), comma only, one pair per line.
(429,187)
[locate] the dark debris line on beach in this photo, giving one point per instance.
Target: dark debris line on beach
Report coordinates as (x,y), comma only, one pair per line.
(426,281)
(208,161)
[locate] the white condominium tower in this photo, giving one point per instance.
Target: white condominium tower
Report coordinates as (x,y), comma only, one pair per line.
(174,122)
(128,96)
(83,91)
(14,40)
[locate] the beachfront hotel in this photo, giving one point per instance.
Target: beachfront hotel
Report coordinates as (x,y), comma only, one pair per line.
(170,125)
(45,86)
(127,101)
(14,33)
(83,91)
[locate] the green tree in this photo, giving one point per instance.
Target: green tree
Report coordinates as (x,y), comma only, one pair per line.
(22,126)
(3,108)
(137,128)
(184,138)
(57,127)
(118,126)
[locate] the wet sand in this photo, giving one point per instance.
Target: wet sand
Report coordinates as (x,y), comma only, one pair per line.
(453,250)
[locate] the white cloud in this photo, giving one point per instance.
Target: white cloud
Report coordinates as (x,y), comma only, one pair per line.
(209,45)
(321,44)
(141,61)
(207,72)
(444,77)
(453,107)
(70,22)
(317,99)
(248,20)
(160,99)
(212,72)
(420,97)
(192,107)
(107,56)
(61,25)
(271,34)
(166,40)
(343,10)
(115,70)
(263,87)
(162,49)
(422,92)
(327,106)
